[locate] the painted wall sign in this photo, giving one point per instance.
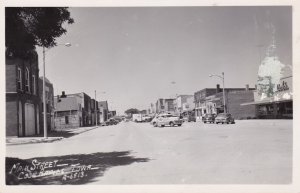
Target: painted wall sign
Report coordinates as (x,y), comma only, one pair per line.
(282,87)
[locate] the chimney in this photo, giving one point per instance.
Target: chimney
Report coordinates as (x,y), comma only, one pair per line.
(218,88)
(63,95)
(247,87)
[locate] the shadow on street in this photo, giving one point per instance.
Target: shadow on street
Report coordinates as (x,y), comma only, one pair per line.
(68,169)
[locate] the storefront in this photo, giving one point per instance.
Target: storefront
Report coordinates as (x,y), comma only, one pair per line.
(278,106)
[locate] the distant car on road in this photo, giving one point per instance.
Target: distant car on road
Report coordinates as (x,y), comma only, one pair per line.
(208,118)
(111,122)
(168,119)
(224,118)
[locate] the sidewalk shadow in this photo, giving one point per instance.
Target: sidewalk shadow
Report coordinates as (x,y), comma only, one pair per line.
(68,169)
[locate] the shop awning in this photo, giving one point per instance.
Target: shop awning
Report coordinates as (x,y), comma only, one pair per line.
(265,102)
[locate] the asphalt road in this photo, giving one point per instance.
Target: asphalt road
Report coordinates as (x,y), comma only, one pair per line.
(248,152)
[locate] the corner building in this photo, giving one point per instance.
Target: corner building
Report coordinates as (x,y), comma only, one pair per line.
(22,95)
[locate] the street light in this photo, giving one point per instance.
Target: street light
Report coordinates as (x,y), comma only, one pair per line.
(222,77)
(44,87)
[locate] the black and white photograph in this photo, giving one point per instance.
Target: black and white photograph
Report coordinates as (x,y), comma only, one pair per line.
(148,95)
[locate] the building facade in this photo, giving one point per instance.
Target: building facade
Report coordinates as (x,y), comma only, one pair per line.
(84,110)
(184,103)
(278,105)
(22,95)
(165,105)
(210,101)
(103,111)
(68,112)
(49,93)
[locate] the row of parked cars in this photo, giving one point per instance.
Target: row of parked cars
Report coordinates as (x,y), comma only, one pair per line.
(162,120)
(220,118)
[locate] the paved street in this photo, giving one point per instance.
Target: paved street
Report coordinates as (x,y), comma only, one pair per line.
(250,151)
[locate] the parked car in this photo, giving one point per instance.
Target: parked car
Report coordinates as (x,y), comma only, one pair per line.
(168,119)
(103,124)
(191,118)
(224,118)
(208,118)
(154,121)
(111,122)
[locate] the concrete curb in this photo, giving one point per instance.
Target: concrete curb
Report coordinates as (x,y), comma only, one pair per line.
(22,141)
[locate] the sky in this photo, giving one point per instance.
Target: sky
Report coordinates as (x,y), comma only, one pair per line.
(133,56)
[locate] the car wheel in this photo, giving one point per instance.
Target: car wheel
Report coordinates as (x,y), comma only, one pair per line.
(171,124)
(204,121)
(179,125)
(162,125)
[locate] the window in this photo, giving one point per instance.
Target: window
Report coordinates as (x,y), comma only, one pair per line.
(66,119)
(19,79)
(27,87)
(33,85)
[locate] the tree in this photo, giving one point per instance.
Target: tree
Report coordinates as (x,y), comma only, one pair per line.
(132,111)
(27,27)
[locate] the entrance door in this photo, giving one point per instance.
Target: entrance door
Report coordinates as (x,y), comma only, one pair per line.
(20,119)
(29,119)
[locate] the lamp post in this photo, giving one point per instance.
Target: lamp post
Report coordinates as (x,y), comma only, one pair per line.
(222,77)
(44,88)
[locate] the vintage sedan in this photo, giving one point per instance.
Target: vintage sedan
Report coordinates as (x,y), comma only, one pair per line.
(169,119)
(224,118)
(208,118)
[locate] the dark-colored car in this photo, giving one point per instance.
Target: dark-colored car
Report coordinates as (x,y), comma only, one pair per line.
(111,122)
(191,118)
(224,118)
(208,118)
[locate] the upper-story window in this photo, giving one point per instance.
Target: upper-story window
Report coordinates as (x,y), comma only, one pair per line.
(19,79)
(27,87)
(33,85)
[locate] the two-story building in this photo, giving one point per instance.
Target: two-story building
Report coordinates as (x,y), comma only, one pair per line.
(210,101)
(22,95)
(165,105)
(184,103)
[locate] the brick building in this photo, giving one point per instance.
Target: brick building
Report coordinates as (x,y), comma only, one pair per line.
(84,108)
(22,95)
(68,112)
(210,101)
(49,103)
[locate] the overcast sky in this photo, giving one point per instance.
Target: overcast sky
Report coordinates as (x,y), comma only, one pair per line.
(133,54)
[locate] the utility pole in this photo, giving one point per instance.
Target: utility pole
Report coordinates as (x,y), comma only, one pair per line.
(44,95)
(96,107)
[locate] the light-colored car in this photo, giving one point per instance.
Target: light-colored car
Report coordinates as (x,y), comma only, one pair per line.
(168,119)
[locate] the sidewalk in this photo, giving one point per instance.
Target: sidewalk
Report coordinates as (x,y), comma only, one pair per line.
(52,136)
